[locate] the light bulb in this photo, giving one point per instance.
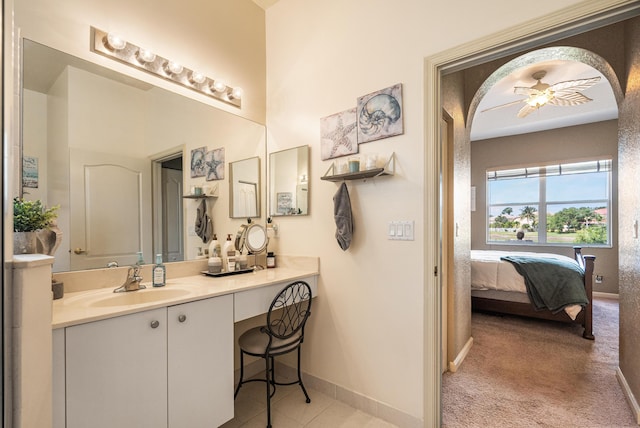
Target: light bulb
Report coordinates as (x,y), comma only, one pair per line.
(145,56)
(219,86)
(236,93)
(197,77)
(172,67)
(115,42)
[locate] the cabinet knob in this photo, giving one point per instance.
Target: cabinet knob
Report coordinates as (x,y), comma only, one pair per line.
(182,318)
(155,324)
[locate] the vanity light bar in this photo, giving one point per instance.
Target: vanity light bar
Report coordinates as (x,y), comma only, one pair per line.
(115,47)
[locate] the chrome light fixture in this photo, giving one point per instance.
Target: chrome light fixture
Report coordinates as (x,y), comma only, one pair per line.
(115,47)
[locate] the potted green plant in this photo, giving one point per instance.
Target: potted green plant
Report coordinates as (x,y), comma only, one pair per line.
(29,217)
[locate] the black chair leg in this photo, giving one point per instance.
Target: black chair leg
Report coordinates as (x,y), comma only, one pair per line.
(266,374)
(241,374)
(300,379)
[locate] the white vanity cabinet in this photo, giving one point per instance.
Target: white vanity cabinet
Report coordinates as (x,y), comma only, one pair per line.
(200,363)
(167,367)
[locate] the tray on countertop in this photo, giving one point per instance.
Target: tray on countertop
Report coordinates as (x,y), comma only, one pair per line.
(235,272)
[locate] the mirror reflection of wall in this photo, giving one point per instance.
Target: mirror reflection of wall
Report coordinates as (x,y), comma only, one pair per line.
(244,188)
(112,126)
(289,182)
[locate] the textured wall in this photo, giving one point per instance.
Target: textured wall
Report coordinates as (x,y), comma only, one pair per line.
(629,199)
(460,295)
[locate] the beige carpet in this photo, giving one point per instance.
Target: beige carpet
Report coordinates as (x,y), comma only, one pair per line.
(531,373)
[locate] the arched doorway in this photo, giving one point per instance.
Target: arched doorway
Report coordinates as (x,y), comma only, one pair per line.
(565,23)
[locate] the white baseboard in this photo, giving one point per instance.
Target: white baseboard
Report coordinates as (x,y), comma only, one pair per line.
(351,398)
(631,399)
(610,296)
(457,362)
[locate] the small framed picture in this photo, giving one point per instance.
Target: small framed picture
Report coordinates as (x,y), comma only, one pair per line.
(284,202)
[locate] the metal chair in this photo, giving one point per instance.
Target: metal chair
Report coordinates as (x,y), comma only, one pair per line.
(283,333)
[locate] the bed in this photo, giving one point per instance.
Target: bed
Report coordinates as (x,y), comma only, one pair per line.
(498,285)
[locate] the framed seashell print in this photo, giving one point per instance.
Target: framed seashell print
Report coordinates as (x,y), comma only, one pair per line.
(197,162)
(380,114)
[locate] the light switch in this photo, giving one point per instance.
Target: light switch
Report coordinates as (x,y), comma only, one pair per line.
(408,230)
(399,230)
(392,230)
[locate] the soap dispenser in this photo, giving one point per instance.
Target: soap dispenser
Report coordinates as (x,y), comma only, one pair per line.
(226,249)
(214,247)
(159,272)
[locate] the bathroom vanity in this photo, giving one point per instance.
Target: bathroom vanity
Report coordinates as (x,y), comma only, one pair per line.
(157,357)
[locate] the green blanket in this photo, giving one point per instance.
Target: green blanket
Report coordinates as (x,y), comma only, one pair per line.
(552,282)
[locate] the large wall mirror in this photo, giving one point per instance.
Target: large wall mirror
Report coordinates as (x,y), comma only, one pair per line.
(289,182)
(244,188)
(115,153)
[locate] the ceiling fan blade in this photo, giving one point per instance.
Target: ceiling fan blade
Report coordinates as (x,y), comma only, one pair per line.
(502,105)
(568,100)
(525,110)
(577,85)
(526,91)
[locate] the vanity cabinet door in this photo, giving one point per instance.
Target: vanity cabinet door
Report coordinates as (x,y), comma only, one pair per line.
(116,372)
(200,363)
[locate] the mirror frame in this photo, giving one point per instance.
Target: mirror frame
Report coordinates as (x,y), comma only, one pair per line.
(272,197)
(257,185)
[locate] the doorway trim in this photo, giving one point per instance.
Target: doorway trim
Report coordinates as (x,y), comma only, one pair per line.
(156,191)
(566,22)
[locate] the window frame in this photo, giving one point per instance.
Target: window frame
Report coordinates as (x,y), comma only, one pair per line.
(604,164)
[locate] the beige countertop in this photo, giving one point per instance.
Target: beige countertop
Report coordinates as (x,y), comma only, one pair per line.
(91,305)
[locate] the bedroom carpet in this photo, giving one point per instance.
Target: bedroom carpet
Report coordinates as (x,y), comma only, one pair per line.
(531,373)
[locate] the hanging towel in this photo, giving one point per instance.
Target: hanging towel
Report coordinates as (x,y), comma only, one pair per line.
(342,216)
(204,225)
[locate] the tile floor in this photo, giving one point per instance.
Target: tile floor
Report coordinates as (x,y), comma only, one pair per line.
(289,410)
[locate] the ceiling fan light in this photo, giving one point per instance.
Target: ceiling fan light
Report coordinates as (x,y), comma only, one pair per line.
(540,99)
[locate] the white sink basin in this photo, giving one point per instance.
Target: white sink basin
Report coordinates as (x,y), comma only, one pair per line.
(148,295)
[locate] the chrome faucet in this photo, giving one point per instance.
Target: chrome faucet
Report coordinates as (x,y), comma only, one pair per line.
(132,283)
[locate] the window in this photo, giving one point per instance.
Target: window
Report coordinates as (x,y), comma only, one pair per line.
(561,204)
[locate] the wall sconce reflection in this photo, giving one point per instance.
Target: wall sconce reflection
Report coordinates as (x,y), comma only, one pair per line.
(115,47)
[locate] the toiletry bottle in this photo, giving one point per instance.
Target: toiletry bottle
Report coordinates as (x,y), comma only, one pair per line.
(214,247)
(271,260)
(159,272)
(228,246)
(140,261)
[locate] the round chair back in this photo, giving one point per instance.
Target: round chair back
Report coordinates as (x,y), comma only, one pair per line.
(289,310)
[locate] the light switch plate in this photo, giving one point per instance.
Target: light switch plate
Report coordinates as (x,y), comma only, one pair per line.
(401,230)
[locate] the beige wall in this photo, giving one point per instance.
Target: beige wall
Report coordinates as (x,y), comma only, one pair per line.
(573,143)
(629,197)
(366,331)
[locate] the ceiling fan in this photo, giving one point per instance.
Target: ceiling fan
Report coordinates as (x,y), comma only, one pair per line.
(559,94)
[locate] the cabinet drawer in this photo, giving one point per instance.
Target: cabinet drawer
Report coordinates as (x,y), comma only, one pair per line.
(248,304)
